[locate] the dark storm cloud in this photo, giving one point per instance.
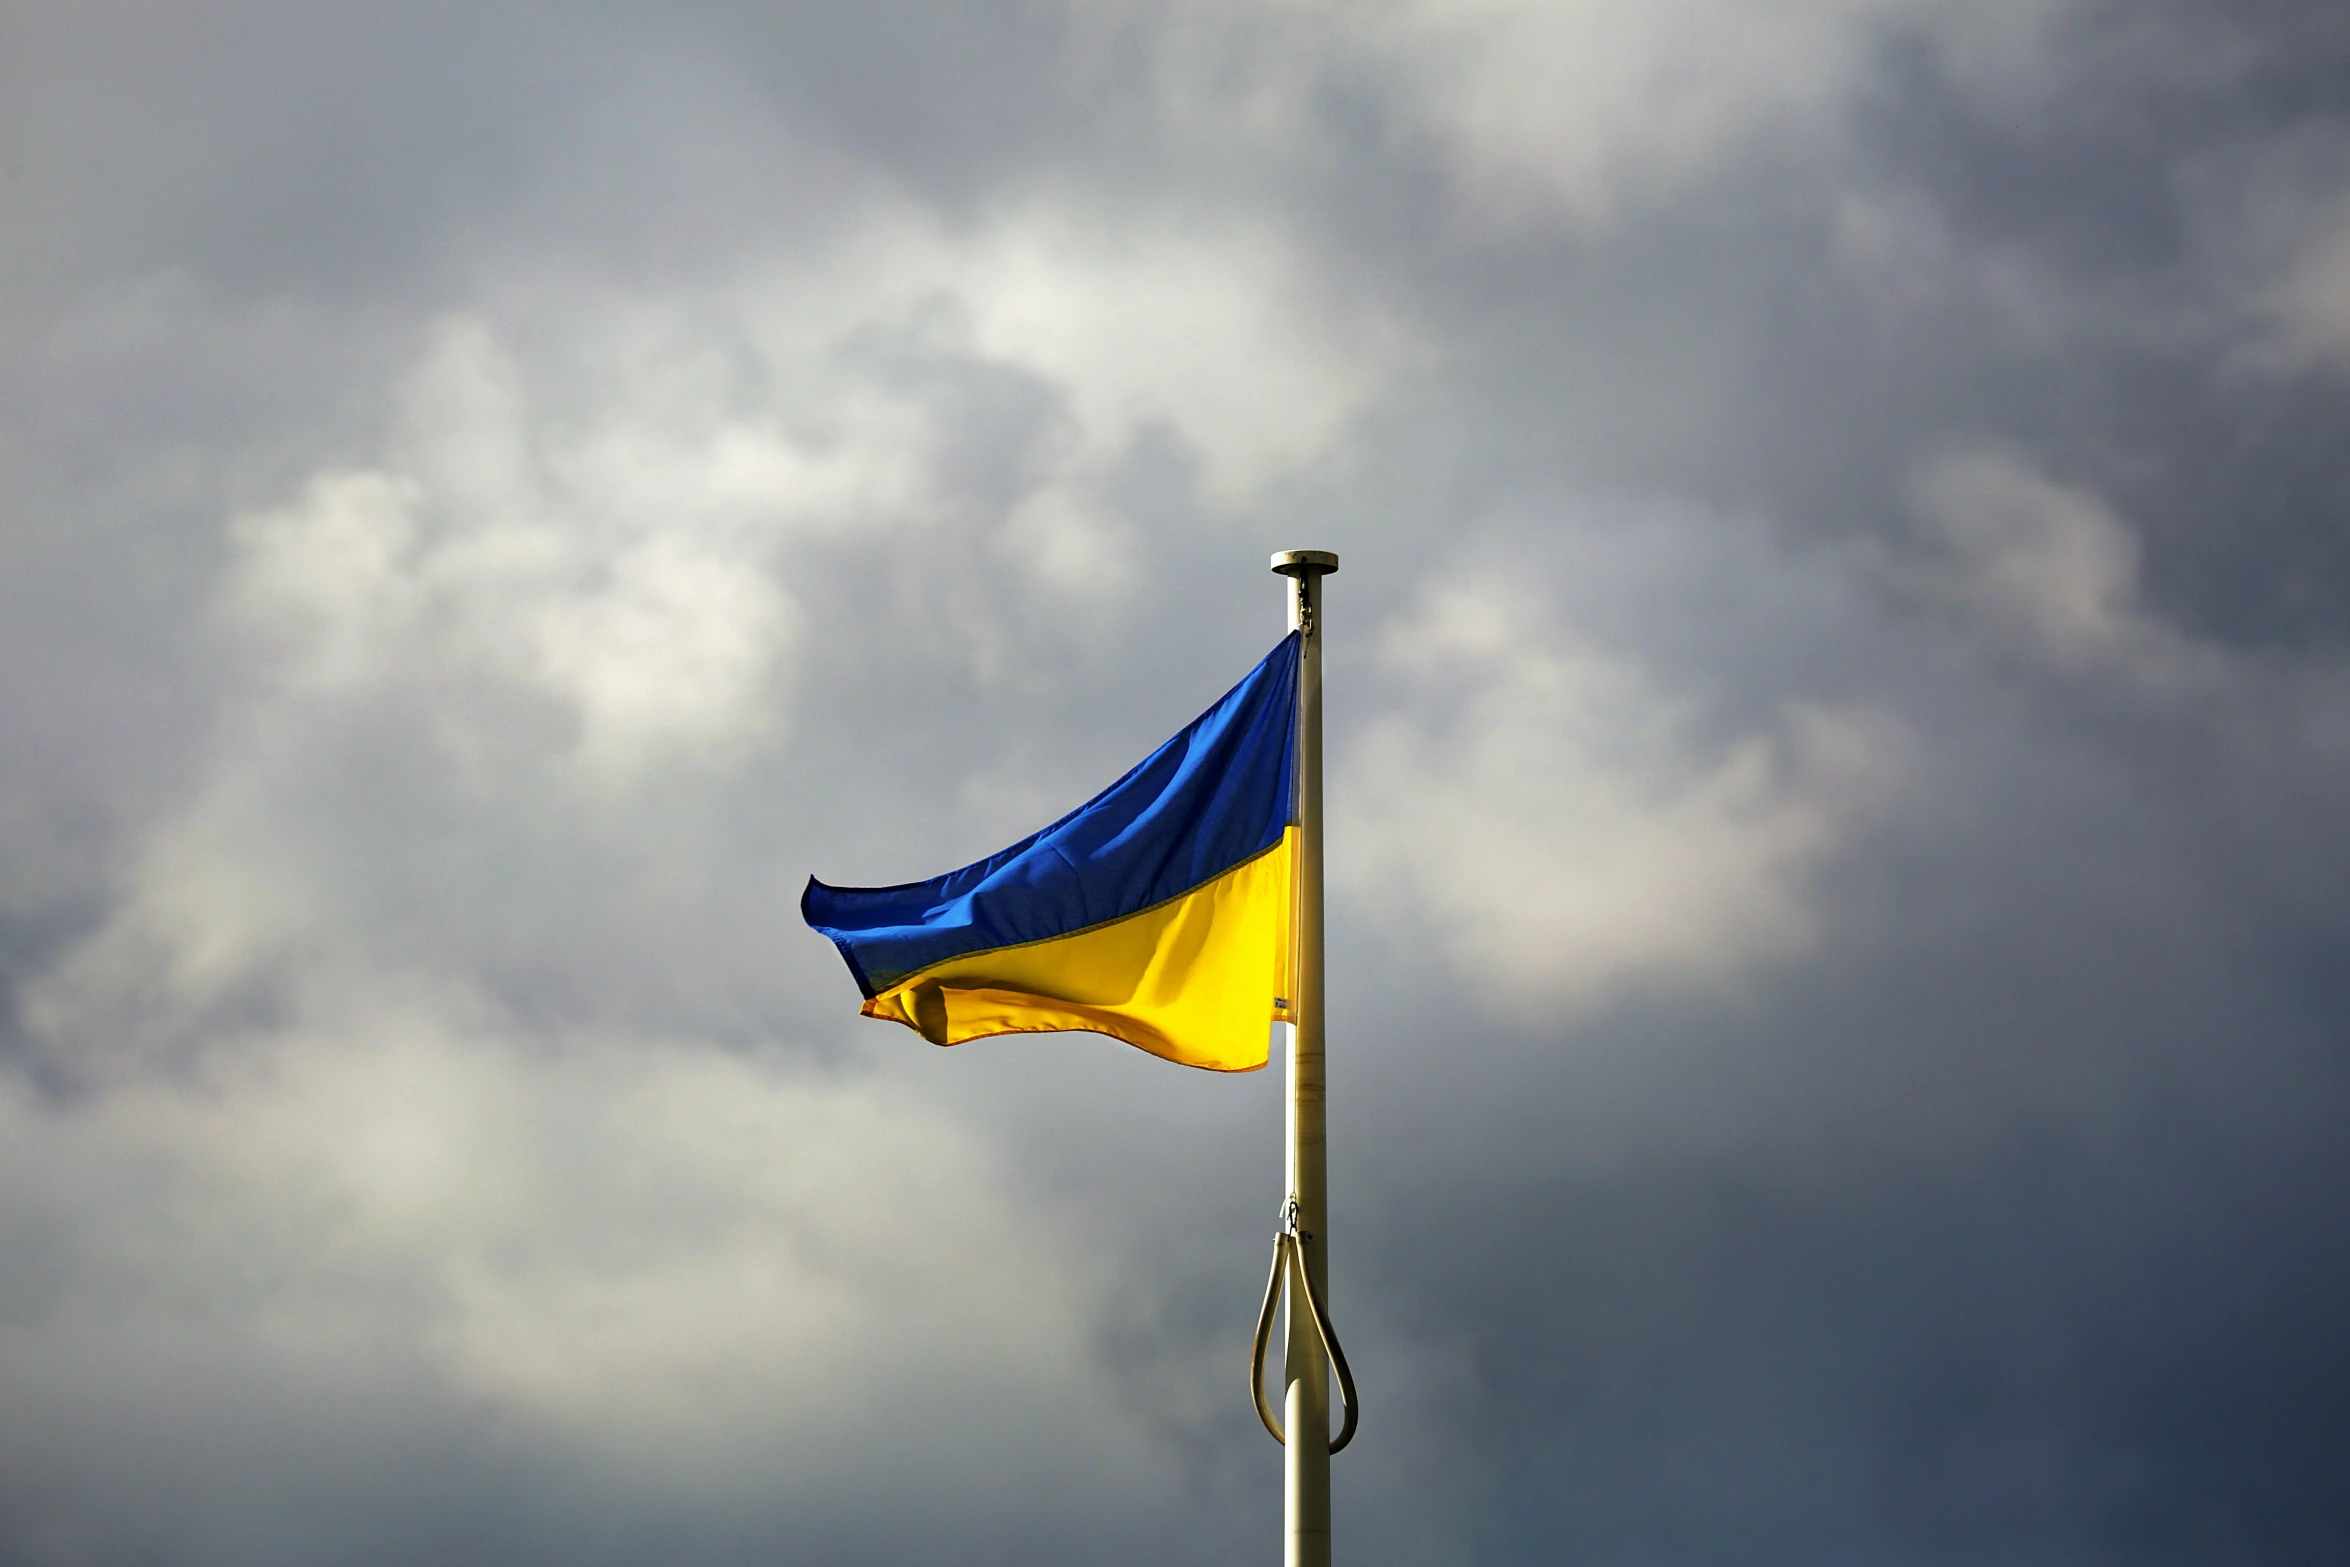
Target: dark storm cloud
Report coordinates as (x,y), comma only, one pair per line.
(1839,724)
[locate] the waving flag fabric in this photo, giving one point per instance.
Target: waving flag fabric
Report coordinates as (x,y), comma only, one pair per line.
(1159,912)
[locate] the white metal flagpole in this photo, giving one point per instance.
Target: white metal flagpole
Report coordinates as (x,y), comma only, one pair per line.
(1306,1372)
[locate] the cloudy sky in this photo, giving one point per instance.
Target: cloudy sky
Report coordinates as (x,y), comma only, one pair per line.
(1840,772)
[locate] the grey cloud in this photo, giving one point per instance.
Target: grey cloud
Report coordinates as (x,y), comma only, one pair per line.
(1839,727)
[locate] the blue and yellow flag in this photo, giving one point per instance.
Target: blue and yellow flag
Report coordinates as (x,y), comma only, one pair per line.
(1159,912)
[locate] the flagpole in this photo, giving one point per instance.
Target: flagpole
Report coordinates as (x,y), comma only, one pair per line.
(1305,1491)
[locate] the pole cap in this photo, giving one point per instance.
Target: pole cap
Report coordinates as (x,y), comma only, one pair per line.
(1305,563)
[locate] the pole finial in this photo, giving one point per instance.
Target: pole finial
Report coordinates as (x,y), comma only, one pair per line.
(1305,563)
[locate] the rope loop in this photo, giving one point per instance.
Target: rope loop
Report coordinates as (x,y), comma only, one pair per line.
(1289,1262)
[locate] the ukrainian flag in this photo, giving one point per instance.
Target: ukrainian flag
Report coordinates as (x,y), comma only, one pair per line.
(1160,912)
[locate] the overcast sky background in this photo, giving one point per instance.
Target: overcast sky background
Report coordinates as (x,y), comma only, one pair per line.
(1839,772)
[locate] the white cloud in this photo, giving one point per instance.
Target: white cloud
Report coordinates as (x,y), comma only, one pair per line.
(677,1271)
(577,571)
(1223,335)
(1575,107)
(2306,306)
(624,572)
(2042,568)
(2268,219)
(606,519)
(1912,266)
(492,680)
(1580,104)
(1560,824)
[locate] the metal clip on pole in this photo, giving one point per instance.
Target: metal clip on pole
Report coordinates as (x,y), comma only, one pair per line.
(1289,1251)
